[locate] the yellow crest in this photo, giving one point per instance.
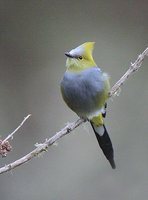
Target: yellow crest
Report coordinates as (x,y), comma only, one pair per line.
(88,46)
(81,57)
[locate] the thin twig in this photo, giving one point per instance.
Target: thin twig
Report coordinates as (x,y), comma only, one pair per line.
(134,67)
(42,147)
(21,124)
(71,126)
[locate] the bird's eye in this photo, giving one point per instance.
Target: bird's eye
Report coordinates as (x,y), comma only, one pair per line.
(80,57)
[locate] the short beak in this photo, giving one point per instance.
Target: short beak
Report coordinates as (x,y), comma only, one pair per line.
(68,55)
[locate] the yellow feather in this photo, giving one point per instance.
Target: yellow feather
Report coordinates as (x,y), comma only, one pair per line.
(85,52)
(98,120)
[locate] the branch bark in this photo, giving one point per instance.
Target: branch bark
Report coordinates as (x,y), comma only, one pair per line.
(20,125)
(71,126)
(133,67)
(5,146)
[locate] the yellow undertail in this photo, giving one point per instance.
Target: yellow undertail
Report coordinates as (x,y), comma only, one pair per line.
(98,120)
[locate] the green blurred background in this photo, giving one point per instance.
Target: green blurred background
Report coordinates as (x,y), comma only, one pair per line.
(34,34)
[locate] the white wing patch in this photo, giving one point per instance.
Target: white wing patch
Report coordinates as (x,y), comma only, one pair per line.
(105,76)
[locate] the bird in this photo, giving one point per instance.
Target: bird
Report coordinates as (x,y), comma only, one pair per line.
(85,89)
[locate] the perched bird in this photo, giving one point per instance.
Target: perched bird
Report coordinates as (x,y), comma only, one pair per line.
(85,90)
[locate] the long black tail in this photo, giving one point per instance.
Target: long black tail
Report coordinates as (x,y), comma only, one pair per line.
(105,144)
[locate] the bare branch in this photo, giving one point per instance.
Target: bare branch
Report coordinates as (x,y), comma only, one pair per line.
(21,124)
(71,126)
(134,67)
(42,147)
(5,145)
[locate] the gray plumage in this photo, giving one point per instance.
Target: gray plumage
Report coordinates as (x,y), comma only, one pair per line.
(83,91)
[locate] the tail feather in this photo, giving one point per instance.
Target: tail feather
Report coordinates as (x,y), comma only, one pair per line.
(105,144)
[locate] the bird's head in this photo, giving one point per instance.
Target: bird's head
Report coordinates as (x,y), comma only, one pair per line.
(80,58)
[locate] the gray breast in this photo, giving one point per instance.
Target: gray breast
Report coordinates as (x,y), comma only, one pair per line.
(82,91)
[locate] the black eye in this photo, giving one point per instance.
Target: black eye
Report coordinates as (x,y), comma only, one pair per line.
(80,57)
